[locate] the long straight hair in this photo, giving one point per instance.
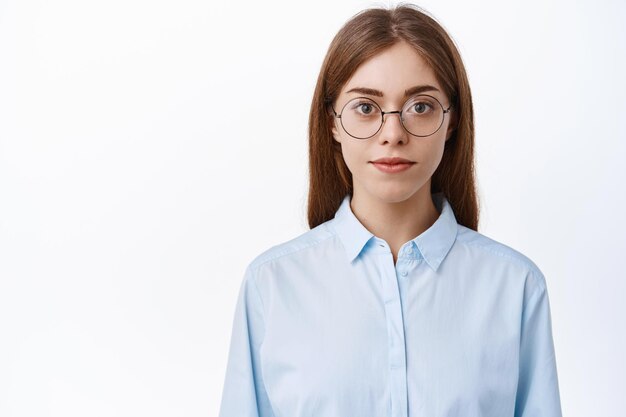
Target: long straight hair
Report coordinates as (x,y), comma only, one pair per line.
(366,34)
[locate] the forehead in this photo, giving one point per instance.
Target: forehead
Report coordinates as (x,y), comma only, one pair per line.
(392,71)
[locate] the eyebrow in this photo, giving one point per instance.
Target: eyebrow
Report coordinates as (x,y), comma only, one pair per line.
(408,92)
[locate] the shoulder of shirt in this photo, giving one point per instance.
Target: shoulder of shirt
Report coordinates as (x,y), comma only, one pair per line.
(473,239)
(303,241)
(465,236)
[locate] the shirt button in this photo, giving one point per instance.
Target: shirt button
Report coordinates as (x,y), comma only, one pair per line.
(404,273)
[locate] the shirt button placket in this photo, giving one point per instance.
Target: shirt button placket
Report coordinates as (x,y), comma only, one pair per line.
(395,333)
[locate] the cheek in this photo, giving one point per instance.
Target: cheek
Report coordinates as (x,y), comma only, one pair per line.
(430,154)
(354,156)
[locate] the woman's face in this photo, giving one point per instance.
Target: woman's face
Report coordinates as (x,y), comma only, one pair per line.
(391,73)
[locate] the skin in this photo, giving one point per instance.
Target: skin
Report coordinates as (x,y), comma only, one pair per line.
(395,207)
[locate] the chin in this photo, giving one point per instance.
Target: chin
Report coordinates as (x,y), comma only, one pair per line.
(394,194)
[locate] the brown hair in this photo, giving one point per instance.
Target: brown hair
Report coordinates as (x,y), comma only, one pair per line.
(363,36)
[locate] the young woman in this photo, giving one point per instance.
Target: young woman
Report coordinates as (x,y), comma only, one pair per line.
(392,304)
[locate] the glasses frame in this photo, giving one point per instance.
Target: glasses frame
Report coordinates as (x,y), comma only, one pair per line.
(383,113)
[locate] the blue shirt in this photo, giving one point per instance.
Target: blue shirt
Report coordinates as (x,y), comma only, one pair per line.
(326,325)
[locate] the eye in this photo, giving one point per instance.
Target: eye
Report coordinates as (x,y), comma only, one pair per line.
(366,108)
(421,107)
(363,107)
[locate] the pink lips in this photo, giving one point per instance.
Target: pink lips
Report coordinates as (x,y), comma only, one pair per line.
(392,164)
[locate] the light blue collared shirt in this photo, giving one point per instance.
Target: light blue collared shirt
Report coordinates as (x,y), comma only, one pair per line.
(326,325)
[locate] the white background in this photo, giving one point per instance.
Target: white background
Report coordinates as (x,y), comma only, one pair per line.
(150,149)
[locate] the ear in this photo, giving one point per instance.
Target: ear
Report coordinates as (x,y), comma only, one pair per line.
(332,121)
(335,132)
(452,125)
(333,126)
(449,133)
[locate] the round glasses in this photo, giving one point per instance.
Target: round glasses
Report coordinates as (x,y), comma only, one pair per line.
(422,115)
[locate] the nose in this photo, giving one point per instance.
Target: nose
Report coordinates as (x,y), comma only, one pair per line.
(392,130)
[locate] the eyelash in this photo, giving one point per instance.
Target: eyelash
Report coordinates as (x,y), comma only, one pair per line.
(360,103)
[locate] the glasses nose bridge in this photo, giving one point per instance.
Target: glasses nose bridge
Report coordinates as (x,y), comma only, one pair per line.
(398,112)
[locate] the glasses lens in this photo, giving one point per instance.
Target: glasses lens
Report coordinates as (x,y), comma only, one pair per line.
(422,115)
(361,118)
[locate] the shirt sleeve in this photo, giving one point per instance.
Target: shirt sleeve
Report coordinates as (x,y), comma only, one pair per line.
(538,387)
(244,393)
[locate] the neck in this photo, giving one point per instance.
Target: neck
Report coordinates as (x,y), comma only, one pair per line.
(395,222)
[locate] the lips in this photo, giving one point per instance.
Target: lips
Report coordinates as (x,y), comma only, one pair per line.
(392,165)
(392,161)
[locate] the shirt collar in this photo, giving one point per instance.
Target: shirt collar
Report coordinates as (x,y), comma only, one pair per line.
(434,243)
